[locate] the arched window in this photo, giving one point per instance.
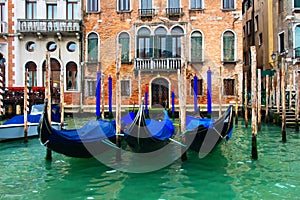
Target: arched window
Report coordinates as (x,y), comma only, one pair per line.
(143,43)
(92,47)
(31,68)
(297,41)
(160,43)
(228,46)
(177,33)
(71,76)
(196,47)
(124,41)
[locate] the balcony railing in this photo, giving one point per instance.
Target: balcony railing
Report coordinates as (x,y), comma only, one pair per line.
(166,64)
(146,13)
(48,25)
(3,27)
(174,12)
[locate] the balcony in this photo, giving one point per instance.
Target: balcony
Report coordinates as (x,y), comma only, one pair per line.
(146,13)
(3,28)
(48,25)
(166,64)
(174,12)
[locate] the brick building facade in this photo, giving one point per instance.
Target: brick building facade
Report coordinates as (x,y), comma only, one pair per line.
(157,36)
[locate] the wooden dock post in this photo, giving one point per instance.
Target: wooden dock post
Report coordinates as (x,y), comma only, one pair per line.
(118,104)
(297,103)
(278,72)
(259,100)
(246,99)
(1,94)
(236,91)
(48,96)
(103,95)
(26,104)
(267,98)
(220,93)
(62,99)
(283,93)
(254,102)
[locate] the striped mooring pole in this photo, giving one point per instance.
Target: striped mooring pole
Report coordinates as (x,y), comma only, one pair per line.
(1,94)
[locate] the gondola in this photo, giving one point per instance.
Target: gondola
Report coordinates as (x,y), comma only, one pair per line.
(146,135)
(92,139)
(208,133)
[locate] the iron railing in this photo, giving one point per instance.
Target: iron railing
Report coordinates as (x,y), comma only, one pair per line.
(48,25)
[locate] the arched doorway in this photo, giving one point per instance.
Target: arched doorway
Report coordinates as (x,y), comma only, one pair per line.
(54,79)
(160,93)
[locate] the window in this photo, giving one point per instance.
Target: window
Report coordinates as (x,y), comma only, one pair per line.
(249,29)
(30,46)
(31,68)
(256,23)
(228,46)
(30,9)
(2,18)
(176,33)
(125,88)
(296,4)
(228,87)
(196,4)
(160,43)
(92,47)
(72,9)
(281,6)
(297,41)
(196,47)
(124,5)
(281,43)
(51,11)
(228,4)
(146,8)
(260,39)
(124,41)
(51,46)
(173,3)
(92,5)
(71,76)
(90,88)
(71,46)
(199,87)
(143,43)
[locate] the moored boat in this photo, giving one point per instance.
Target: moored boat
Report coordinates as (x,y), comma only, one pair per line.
(205,134)
(14,127)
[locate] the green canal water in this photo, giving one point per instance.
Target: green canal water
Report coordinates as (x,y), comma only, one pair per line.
(227,173)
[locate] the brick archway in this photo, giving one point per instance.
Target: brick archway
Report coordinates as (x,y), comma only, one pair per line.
(160,93)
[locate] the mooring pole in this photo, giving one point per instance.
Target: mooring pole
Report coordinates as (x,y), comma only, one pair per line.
(1,94)
(118,104)
(62,99)
(259,100)
(278,89)
(283,95)
(246,99)
(103,95)
(254,102)
(220,93)
(290,78)
(267,98)
(297,103)
(48,97)
(26,104)
(236,91)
